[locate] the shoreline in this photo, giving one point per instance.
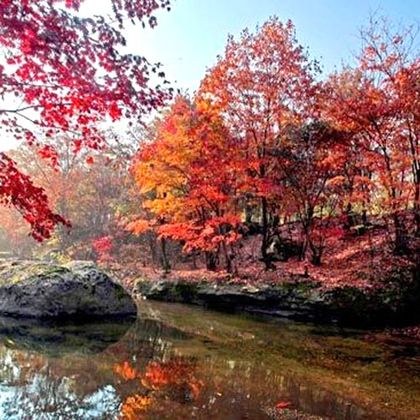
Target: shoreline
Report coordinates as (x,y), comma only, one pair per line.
(302,300)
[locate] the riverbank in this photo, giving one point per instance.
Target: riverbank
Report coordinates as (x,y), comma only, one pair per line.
(361,283)
(301,299)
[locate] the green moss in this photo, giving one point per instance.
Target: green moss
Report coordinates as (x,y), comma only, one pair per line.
(120,292)
(299,287)
(15,272)
(186,292)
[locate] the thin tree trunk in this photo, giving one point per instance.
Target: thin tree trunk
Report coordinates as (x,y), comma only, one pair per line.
(417,202)
(165,261)
(401,247)
(266,257)
(228,261)
(211,261)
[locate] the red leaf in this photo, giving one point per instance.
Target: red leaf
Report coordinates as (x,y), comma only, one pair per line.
(281,405)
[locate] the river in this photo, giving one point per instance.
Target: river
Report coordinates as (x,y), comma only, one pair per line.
(181,362)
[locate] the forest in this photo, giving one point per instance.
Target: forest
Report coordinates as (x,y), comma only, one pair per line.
(276,187)
(270,166)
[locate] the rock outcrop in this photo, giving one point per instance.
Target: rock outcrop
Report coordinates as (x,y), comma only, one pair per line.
(301,300)
(77,290)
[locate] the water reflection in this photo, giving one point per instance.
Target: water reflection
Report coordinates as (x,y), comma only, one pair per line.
(172,363)
(52,338)
(46,369)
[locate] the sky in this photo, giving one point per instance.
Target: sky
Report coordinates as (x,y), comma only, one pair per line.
(188,39)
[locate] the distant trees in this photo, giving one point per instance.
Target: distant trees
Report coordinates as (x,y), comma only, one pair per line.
(89,188)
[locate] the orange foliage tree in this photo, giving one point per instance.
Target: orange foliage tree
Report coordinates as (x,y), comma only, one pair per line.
(189,174)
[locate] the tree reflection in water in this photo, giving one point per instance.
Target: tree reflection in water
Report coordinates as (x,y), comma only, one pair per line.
(173,380)
(155,370)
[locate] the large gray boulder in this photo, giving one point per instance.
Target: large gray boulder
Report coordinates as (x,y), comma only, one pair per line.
(77,290)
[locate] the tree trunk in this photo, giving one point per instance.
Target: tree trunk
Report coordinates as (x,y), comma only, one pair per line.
(265,256)
(248,214)
(152,246)
(316,254)
(349,222)
(417,202)
(211,261)
(164,258)
(401,247)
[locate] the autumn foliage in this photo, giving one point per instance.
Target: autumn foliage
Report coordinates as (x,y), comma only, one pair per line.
(175,379)
(64,73)
(265,144)
(189,175)
(268,151)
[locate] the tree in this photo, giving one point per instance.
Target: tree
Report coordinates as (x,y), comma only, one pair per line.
(15,236)
(189,174)
(90,188)
(262,84)
(377,104)
(309,162)
(65,73)
(390,59)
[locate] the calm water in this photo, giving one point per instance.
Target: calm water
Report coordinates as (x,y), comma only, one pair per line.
(178,362)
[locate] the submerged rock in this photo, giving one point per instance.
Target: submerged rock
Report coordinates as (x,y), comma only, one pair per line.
(77,290)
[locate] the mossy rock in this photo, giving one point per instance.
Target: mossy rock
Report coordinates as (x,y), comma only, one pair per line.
(303,300)
(395,303)
(77,290)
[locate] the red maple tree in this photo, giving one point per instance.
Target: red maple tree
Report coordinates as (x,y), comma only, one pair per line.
(66,73)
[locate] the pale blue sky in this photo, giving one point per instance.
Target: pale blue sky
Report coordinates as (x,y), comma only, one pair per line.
(188,39)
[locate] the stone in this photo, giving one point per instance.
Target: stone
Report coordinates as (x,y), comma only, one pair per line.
(78,290)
